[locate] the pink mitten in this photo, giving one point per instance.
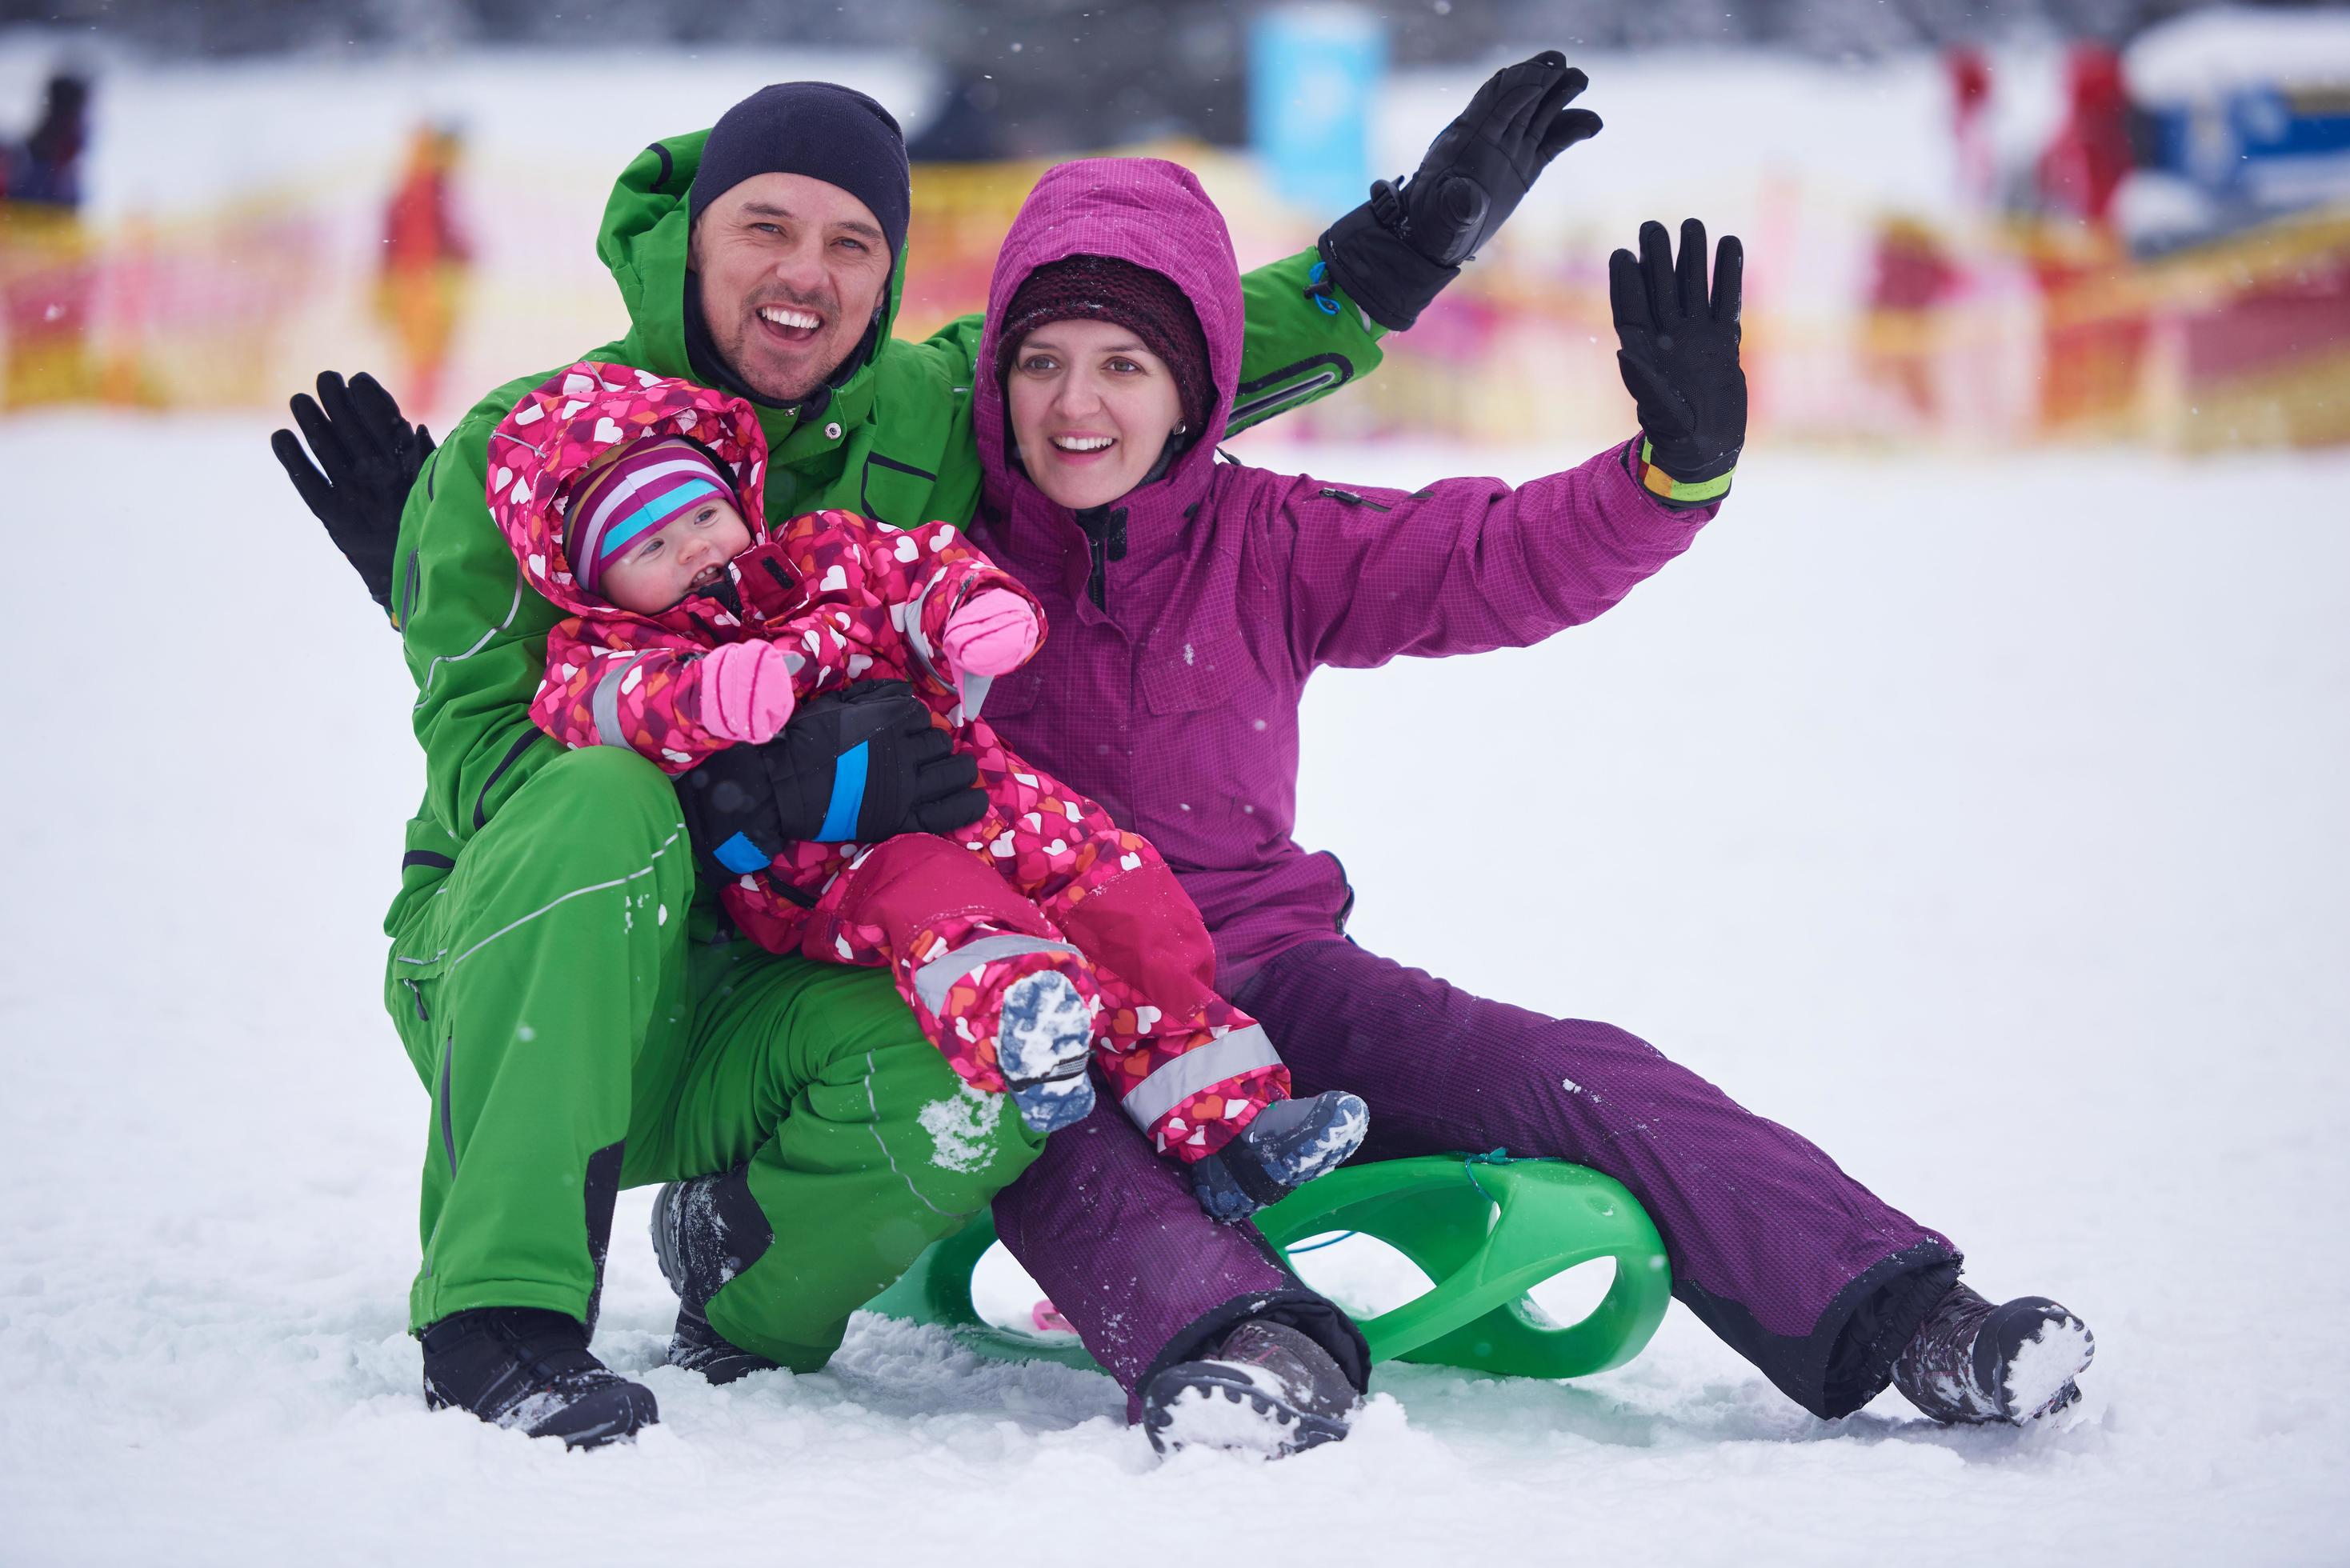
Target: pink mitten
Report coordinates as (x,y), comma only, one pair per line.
(991,633)
(746,691)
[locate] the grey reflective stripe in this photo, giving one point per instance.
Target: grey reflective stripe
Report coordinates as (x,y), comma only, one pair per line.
(914,637)
(974,692)
(424,686)
(1194,1071)
(933,981)
(605,706)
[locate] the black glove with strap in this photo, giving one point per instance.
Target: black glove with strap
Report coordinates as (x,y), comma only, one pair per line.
(1396,251)
(862,765)
(1679,360)
(368,457)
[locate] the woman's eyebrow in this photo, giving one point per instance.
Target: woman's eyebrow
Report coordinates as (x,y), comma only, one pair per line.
(1039,344)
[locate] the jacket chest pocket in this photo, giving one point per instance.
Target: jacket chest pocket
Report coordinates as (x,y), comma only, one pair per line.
(895,493)
(1200,673)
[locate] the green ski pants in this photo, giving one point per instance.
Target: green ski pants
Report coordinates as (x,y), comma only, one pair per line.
(576,1040)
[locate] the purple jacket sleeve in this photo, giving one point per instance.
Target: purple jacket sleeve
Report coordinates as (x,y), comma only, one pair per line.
(1468,565)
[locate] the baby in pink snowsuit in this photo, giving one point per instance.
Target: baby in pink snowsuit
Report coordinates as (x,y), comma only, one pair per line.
(1043,934)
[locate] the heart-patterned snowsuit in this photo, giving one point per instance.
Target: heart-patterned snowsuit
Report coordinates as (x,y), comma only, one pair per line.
(1045,880)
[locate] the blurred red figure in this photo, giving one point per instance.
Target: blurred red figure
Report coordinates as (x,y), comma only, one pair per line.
(2086,164)
(1911,278)
(2094,341)
(1969,73)
(426,258)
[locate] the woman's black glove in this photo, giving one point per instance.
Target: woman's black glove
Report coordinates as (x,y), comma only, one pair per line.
(862,765)
(1396,251)
(1679,359)
(368,456)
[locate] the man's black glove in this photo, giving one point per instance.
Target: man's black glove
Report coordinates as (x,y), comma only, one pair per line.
(1396,251)
(368,456)
(1679,359)
(862,764)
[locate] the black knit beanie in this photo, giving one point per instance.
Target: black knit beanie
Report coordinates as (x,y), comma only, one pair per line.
(1106,288)
(821,130)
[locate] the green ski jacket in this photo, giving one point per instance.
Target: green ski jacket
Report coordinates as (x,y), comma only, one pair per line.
(894,441)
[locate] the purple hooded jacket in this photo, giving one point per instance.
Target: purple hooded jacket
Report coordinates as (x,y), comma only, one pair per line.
(1173,701)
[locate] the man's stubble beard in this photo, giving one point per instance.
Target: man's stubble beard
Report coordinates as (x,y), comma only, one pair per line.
(745,331)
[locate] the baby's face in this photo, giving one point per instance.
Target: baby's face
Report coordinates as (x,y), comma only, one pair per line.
(688,552)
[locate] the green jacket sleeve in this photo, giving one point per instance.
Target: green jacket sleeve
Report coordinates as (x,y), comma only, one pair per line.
(474,636)
(1304,339)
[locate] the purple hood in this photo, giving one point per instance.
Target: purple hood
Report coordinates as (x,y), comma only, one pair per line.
(1153,214)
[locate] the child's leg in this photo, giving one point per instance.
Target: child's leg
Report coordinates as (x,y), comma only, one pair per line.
(1009,1003)
(1190,1068)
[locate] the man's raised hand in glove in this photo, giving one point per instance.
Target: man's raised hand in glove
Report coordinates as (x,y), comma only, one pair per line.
(1396,251)
(364,458)
(1679,360)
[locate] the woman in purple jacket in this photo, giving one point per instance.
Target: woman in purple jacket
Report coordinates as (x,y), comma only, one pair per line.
(1190,600)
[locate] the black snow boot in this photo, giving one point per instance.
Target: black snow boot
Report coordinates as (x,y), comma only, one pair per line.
(529,1368)
(705,1231)
(1287,1145)
(1972,1363)
(1267,1389)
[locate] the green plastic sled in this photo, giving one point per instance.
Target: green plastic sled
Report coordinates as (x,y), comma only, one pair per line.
(1486,1231)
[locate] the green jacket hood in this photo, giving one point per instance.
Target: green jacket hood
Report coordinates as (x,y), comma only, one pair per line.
(643,241)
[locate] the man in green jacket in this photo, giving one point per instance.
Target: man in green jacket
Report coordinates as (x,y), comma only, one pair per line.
(582,1020)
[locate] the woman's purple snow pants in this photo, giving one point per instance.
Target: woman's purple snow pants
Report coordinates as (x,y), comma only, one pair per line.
(1798,1267)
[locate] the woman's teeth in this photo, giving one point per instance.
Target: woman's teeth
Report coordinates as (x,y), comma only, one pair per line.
(784,316)
(1083,443)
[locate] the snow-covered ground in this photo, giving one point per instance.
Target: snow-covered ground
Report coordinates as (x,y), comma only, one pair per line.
(1983,821)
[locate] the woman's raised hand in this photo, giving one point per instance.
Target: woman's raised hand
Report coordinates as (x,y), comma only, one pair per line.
(1678,356)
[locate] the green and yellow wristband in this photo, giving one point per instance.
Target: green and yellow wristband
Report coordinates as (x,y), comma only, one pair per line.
(1672,491)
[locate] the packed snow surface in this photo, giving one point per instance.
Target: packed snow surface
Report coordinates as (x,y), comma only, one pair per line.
(1982,820)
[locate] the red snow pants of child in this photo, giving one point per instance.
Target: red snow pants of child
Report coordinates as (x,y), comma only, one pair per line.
(1046,881)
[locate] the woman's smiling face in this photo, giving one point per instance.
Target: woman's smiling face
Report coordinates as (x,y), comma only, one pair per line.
(1091,410)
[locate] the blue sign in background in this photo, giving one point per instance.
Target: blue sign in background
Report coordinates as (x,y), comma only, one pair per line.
(1313,72)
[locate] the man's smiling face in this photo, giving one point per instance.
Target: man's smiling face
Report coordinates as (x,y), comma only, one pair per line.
(791,270)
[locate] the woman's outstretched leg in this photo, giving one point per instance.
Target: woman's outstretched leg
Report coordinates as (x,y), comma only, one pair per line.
(1802,1271)
(1114,1235)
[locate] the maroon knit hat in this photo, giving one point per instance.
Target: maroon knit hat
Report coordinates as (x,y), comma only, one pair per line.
(1104,288)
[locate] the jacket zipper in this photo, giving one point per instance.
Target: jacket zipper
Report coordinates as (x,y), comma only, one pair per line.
(1105,532)
(1350,498)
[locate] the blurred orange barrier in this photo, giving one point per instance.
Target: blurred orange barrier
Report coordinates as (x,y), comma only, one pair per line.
(1986,340)
(185,314)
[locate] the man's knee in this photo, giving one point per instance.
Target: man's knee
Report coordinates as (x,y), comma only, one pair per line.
(955,1147)
(604,797)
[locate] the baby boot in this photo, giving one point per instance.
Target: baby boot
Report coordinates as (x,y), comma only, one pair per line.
(1288,1143)
(1044,1035)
